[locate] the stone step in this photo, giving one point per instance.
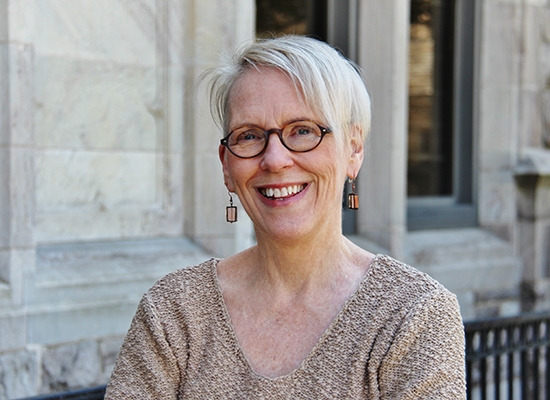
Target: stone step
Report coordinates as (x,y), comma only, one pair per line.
(82,273)
(442,247)
(477,276)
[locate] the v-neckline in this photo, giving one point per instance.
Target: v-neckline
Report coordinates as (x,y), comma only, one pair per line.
(240,353)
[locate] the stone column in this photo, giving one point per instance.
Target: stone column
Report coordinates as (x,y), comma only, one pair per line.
(17,244)
(498,84)
(533,182)
(216,28)
(383,54)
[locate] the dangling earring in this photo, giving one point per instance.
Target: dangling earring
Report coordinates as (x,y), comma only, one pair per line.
(231,211)
(353,198)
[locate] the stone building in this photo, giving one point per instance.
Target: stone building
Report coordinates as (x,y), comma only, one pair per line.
(109,173)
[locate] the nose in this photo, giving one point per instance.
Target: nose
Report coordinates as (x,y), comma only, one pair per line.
(276,156)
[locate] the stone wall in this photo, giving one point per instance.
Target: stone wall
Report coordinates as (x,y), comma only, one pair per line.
(532,171)
(533,182)
(109,173)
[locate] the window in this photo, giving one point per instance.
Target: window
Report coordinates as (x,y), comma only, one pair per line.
(439,179)
(300,17)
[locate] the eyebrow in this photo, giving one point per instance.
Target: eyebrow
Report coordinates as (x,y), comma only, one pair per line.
(291,121)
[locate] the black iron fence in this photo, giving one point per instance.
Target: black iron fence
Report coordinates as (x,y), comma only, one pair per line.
(509,358)
(96,393)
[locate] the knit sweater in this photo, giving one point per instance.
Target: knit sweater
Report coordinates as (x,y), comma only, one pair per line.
(399,336)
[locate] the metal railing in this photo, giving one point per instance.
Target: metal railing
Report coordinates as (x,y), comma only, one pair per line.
(96,393)
(509,358)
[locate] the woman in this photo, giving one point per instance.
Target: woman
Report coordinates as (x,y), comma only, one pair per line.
(305,313)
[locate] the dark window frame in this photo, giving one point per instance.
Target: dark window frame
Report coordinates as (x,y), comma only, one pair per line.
(459,209)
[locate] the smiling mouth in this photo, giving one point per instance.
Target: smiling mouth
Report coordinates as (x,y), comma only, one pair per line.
(281,193)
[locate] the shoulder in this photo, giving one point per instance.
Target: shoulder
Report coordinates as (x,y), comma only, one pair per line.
(191,286)
(426,355)
(406,293)
(186,278)
(403,278)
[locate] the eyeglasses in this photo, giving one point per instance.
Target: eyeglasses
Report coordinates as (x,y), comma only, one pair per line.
(298,136)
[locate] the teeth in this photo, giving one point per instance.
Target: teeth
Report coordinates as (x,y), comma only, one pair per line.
(282,192)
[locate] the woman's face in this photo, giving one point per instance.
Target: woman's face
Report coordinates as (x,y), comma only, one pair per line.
(286,194)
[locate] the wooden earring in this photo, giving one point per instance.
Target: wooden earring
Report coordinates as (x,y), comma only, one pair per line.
(231,211)
(353,198)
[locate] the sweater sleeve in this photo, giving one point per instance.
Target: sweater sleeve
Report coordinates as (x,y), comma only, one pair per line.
(426,359)
(146,367)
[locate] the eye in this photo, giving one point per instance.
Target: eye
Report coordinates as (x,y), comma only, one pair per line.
(247,136)
(304,130)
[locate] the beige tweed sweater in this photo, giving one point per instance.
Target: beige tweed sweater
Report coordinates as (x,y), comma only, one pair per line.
(399,336)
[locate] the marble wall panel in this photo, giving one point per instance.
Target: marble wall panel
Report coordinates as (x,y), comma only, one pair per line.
(173,189)
(531,132)
(19,374)
(543,199)
(499,110)
(22,200)
(545,114)
(21,262)
(4,134)
(544,15)
(17,156)
(4,265)
(173,133)
(217,27)
(4,197)
(531,42)
(501,43)
(210,216)
(96,223)
(543,73)
(98,195)
(71,366)
(94,105)
(4,95)
(497,166)
(538,3)
(21,94)
(208,134)
(383,51)
(119,31)
(4,21)
(55,326)
(68,179)
(5,295)
(172,23)
(214,28)
(497,205)
(542,21)
(12,332)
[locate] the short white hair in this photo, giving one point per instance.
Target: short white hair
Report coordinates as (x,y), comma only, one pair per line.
(331,85)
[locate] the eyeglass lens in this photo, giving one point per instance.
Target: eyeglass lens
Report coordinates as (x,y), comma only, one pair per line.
(298,136)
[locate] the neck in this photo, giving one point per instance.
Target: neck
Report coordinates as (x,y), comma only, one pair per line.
(294,266)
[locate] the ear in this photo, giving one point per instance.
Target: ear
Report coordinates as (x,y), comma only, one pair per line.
(356,149)
(222,152)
